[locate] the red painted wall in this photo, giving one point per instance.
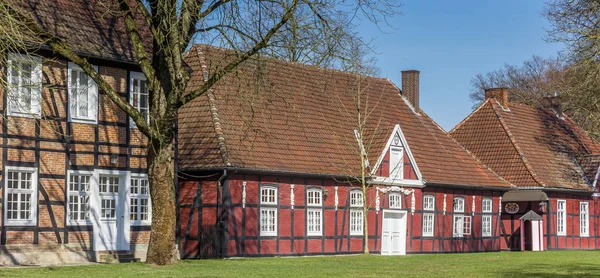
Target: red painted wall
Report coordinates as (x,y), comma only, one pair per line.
(572,239)
(243,223)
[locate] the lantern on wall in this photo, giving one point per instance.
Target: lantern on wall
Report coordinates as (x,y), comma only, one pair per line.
(543,206)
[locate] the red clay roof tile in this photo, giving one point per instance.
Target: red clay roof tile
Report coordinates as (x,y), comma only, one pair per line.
(282,116)
(90,27)
(528,146)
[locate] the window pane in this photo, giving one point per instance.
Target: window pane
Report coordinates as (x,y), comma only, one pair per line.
(83,95)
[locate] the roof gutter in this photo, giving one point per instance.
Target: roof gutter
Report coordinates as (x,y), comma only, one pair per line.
(237,170)
(569,190)
(472,187)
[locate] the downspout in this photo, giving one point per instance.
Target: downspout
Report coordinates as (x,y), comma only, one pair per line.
(219,186)
(222,223)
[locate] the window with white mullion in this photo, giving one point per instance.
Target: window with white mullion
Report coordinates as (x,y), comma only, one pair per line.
(83,96)
(356,212)
(24,85)
(459,224)
(268,211)
(20,196)
(395,200)
(561,217)
(79,198)
(486,217)
(139,95)
(140,210)
(428,214)
(314,212)
(584,221)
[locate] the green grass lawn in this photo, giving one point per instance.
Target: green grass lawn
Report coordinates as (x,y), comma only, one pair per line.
(549,263)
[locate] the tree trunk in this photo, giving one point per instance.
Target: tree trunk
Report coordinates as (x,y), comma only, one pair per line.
(365,221)
(162,248)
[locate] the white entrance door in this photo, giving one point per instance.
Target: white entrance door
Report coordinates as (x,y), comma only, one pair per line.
(393,233)
(110,212)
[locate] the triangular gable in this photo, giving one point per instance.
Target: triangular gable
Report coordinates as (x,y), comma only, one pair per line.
(397,140)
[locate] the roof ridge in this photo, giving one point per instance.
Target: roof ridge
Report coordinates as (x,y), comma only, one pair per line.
(214,113)
(514,143)
(293,63)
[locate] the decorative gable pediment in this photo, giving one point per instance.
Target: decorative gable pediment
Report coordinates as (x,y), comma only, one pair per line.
(396,165)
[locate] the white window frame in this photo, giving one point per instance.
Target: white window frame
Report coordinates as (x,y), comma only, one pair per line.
(134,75)
(467,225)
(395,200)
(428,215)
(35,110)
(268,205)
(356,213)
(34,196)
(458,226)
(92,91)
(486,217)
(139,196)
(79,194)
(314,212)
(561,217)
(396,172)
(584,219)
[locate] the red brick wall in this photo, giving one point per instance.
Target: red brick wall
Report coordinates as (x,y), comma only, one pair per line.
(54,146)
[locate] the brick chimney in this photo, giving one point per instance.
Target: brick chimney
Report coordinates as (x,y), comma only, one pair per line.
(410,87)
(499,94)
(553,103)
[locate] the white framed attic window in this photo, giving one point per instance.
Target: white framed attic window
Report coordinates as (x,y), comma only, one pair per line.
(83,96)
(20,196)
(396,163)
(24,75)
(140,205)
(139,97)
(79,192)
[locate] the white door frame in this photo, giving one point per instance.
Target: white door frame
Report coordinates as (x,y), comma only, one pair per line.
(402,231)
(122,209)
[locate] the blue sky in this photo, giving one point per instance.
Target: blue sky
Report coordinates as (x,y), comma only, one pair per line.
(451,41)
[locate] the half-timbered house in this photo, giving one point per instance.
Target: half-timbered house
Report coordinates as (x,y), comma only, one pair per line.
(74,185)
(271,157)
(551,160)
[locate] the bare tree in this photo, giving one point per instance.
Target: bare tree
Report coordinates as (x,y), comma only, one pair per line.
(576,24)
(540,77)
(250,27)
(527,84)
